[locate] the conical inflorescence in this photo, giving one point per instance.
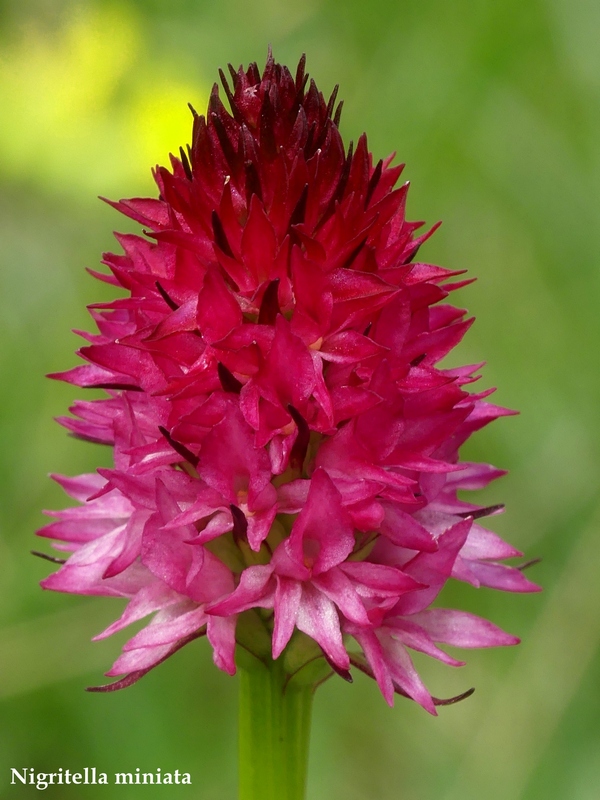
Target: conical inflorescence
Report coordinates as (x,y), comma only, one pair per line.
(286,447)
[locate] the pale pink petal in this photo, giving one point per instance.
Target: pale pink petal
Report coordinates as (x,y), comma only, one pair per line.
(168,626)
(337,587)
(499,576)
(404,674)
(220,632)
(140,659)
(254,589)
(80,487)
(414,636)
(150,598)
(287,603)
(482,543)
(318,618)
(461,629)
(374,653)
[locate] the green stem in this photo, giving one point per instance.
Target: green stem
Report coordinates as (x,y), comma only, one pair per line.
(274,731)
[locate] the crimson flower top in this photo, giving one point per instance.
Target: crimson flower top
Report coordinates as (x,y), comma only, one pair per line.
(286,459)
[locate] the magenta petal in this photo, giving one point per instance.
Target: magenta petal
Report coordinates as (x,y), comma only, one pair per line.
(230,463)
(283,386)
(166,553)
(292,496)
(320,389)
(183,319)
(89,375)
(288,562)
(208,579)
(433,569)
(366,515)
(405,531)
(217,525)
(259,525)
(322,534)
(207,503)
(348,347)
(217,312)
(258,241)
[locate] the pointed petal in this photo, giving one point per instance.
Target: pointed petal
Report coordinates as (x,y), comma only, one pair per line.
(287,603)
(461,629)
(220,632)
(253,590)
(339,588)
(318,618)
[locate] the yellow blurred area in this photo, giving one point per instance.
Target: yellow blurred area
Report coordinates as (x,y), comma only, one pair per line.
(87,109)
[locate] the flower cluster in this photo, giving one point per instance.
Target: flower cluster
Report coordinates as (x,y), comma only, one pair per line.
(285,447)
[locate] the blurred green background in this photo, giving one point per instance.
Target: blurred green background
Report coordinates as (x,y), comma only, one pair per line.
(494,106)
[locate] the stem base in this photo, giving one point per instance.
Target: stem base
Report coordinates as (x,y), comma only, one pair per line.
(274,732)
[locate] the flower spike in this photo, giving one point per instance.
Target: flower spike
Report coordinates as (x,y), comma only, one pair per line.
(287,478)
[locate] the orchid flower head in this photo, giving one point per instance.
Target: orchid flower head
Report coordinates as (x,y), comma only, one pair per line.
(286,440)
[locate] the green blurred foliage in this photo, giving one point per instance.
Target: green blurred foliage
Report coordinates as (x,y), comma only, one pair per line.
(495,109)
